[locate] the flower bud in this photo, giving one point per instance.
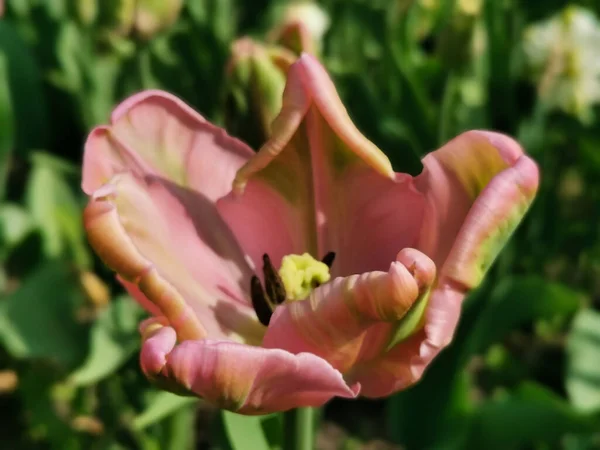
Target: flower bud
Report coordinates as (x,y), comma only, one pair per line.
(256,77)
(152,16)
(302,27)
(144,18)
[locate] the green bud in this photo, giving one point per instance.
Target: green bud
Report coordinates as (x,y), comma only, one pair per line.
(256,77)
(153,16)
(144,18)
(86,11)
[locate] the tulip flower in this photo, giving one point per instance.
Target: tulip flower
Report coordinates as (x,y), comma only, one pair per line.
(307,270)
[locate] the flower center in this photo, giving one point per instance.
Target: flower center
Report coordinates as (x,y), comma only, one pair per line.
(296,279)
(301,274)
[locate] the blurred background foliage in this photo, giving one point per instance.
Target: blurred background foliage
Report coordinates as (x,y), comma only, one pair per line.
(524,369)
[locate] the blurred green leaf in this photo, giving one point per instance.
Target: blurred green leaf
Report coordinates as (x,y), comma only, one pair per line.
(181,429)
(69,54)
(6,124)
(15,225)
(38,320)
(57,9)
(38,391)
(114,338)
(516,301)
(55,210)
(220,17)
(530,415)
(162,405)
(24,78)
(244,432)
(583,368)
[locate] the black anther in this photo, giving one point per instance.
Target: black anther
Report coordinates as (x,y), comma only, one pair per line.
(328,259)
(260,301)
(273,285)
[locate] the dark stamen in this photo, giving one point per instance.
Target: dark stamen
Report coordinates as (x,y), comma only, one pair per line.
(260,301)
(273,284)
(328,259)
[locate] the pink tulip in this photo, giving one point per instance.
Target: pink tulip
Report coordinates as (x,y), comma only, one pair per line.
(184,214)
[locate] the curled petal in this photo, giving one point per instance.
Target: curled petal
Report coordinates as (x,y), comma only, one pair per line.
(241,378)
(353,318)
(477,188)
(405,363)
(491,221)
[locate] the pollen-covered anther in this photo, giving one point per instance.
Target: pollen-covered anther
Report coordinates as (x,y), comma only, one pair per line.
(301,274)
(298,276)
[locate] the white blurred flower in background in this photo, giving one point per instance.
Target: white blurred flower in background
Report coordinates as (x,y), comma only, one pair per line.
(563,55)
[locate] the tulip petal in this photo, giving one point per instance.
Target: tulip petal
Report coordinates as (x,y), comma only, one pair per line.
(241,378)
(322,180)
(355,318)
(160,163)
(161,261)
(155,133)
(404,365)
(478,188)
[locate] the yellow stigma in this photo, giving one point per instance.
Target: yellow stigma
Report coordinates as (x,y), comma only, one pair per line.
(301,274)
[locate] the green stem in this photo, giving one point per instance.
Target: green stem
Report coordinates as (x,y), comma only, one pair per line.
(299,427)
(447,108)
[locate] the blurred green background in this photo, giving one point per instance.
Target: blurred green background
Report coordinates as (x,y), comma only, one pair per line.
(524,369)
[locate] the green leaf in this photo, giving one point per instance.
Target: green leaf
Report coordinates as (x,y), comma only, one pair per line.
(516,301)
(244,432)
(15,225)
(114,338)
(181,428)
(38,319)
(24,79)
(55,210)
(6,124)
(161,406)
(532,414)
(583,366)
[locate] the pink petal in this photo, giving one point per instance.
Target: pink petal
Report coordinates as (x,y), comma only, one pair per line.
(179,251)
(246,379)
(404,365)
(154,176)
(353,319)
(155,133)
(321,179)
(478,188)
